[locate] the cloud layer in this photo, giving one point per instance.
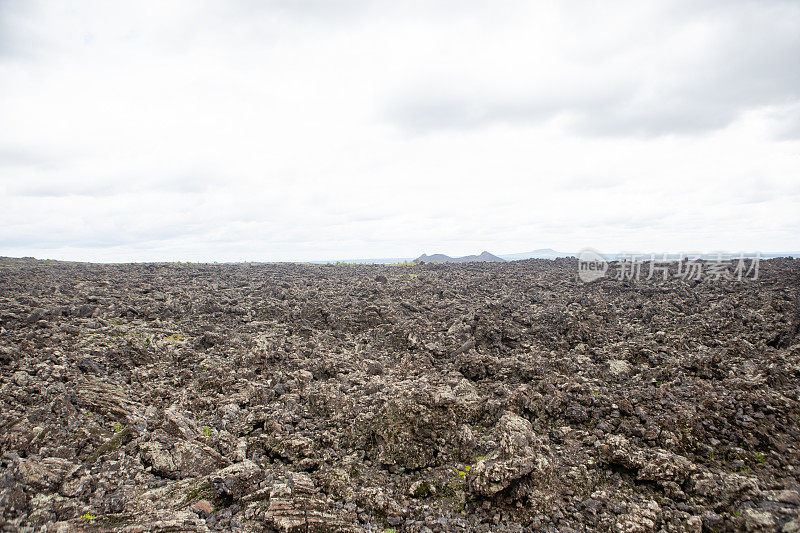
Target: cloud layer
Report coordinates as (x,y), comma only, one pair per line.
(330,129)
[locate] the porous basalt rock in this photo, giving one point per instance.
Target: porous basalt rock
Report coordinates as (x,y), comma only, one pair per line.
(424,398)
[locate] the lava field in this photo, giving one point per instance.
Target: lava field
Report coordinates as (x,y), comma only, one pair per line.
(419,398)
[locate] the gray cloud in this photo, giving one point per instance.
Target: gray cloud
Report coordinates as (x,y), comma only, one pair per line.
(274,130)
(21,38)
(787,122)
(423,114)
(44,189)
(15,156)
(748,58)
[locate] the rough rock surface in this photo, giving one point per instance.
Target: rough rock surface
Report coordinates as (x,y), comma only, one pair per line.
(458,397)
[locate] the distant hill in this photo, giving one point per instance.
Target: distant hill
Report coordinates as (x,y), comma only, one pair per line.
(541,253)
(441,258)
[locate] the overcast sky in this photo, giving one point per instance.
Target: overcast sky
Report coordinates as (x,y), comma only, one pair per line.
(325,129)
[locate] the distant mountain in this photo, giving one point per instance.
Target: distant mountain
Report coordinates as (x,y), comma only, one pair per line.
(441,258)
(541,253)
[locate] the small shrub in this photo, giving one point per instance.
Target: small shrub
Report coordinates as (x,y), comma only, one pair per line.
(462,473)
(423,490)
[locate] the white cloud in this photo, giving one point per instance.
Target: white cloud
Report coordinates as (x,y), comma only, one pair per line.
(285,130)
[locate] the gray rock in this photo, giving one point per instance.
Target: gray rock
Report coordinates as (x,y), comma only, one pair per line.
(519,454)
(236,480)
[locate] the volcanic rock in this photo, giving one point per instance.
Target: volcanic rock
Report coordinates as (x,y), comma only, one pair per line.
(476,396)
